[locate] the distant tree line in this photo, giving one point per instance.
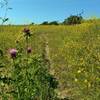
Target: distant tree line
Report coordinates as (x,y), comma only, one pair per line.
(71,20)
(50,23)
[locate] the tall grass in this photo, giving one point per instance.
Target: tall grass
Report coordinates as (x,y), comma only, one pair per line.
(74,53)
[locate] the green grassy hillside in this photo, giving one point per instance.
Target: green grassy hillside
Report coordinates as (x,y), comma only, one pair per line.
(74,52)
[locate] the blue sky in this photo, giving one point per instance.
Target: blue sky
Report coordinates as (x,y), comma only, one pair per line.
(27,11)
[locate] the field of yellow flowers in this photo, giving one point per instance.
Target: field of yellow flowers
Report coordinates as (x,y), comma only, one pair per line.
(74,54)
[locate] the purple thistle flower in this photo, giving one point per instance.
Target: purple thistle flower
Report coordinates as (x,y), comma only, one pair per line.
(13,53)
(29,50)
(27,32)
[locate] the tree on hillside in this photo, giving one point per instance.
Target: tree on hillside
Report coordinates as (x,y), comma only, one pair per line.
(74,19)
(54,23)
(45,23)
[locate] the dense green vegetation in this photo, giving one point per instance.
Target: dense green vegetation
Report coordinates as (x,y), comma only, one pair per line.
(74,56)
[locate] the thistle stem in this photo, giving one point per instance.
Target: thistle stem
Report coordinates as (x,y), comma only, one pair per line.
(16,84)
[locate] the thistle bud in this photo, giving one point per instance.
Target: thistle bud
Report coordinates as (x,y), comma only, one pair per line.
(27,32)
(13,53)
(29,50)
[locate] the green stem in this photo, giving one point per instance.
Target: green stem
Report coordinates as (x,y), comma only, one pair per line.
(16,84)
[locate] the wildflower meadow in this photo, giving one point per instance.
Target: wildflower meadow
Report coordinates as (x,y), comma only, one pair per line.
(39,62)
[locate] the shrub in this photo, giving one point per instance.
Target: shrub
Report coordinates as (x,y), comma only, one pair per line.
(32,80)
(73,19)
